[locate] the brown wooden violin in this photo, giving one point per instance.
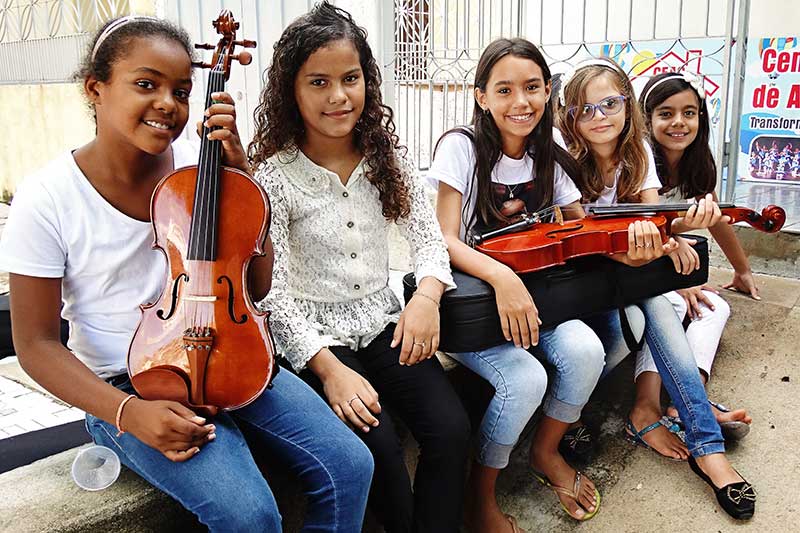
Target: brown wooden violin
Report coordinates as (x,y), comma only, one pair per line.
(529,244)
(203,343)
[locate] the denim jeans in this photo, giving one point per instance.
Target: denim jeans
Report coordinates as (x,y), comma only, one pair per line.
(678,369)
(222,484)
(519,382)
(703,333)
(580,355)
(580,351)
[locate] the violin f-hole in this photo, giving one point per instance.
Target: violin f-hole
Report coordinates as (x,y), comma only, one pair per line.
(576,227)
(174,305)
(230,301)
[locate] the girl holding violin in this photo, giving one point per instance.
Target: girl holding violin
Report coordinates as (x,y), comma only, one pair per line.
(677,119)
(504,164)
(603,128)
(326,152)
(79,231)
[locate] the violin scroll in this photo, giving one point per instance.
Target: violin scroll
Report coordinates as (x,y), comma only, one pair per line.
(226,26)
(770,220)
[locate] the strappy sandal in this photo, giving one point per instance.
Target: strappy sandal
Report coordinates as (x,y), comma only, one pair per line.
(576,490)
(637,437)
(514,526)
(737,499)
(732,430)
(577,444)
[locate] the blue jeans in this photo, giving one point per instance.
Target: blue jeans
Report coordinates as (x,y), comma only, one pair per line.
(580,356)
(222,484)
(519,382)
(579,351)
(678,369)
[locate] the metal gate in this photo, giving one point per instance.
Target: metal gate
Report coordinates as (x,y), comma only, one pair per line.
(438,42)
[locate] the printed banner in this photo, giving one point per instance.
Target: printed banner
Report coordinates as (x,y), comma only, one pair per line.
(769,148)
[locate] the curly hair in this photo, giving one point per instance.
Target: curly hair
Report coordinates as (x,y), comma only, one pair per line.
(98,64)
(630,152)
(280,127)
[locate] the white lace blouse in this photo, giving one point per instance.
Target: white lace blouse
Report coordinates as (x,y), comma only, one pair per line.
(331,272)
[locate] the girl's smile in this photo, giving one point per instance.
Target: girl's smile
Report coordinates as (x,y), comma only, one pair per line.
(146,102)
(330,92)
(516,96)
(675,122)
(602,130)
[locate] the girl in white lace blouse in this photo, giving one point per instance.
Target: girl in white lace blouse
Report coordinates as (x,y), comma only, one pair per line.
(328,157)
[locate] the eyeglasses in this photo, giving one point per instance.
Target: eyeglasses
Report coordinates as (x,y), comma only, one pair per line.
(609,106)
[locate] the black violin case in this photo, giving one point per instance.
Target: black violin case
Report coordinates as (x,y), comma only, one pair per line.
(580,288)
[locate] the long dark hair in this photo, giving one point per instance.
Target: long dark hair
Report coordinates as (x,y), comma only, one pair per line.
(279,126)
(696,172)
(488,141)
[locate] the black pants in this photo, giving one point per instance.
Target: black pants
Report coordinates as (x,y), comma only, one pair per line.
(424,400)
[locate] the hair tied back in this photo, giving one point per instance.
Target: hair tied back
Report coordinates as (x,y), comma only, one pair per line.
(697,83)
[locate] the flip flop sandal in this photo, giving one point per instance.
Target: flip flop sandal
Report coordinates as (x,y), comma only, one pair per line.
(732,430)
(637,437)
(577,444)
(576,489)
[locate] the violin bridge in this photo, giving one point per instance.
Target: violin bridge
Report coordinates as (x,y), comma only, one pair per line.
(558,216)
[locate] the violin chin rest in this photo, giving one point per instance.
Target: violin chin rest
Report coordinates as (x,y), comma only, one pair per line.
(170,383)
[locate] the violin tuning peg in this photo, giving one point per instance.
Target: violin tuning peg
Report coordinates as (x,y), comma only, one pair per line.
(246,43)
(244,58)
(204,46)
(200,64)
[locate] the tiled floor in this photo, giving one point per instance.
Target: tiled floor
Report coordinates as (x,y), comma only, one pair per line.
(23,409)
(756,195)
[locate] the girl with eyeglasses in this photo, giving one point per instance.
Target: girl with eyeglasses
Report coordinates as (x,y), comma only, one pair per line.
(603,128)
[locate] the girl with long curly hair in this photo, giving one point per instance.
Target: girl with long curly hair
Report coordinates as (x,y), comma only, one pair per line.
(326,152)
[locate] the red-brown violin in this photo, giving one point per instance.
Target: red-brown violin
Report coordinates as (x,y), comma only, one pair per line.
(203,343)
(529,244)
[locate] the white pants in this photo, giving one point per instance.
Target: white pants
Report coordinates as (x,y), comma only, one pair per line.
(703,333)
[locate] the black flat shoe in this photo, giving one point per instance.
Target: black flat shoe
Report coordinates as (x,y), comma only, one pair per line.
(577,445)
(738,499)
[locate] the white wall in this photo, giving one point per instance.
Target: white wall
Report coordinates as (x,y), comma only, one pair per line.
(774,18)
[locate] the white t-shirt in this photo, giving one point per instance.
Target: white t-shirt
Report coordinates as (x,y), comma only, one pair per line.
(651,181)
(455,164)
(59,226)
(609,194)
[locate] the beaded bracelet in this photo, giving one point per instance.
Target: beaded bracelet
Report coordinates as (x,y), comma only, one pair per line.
(435,302)
(118,420)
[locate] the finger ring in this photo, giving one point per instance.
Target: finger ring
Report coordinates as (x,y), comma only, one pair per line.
(419,344)
(352,399)
(639,245)
(648,245)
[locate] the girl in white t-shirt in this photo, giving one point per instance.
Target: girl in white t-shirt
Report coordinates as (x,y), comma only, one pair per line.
(506,163)
(603,128)
(677,119)
(79,231)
